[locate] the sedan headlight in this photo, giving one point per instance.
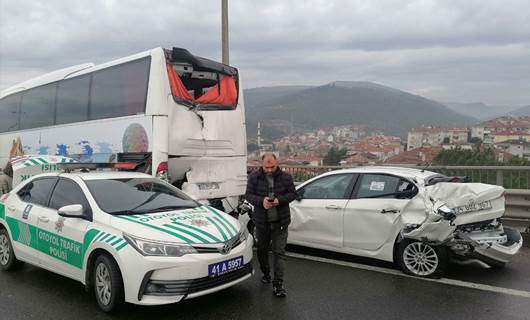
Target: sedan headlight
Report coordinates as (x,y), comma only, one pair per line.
(154,248)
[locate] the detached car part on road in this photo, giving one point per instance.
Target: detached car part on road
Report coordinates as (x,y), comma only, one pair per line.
(416,218)
(129,236)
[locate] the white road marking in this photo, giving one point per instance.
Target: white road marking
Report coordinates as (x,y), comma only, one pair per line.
(458,283)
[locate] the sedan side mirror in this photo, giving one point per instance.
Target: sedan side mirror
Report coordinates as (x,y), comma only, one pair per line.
(71,211)
(299,195)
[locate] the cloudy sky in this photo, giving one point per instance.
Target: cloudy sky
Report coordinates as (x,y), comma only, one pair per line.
(448,50)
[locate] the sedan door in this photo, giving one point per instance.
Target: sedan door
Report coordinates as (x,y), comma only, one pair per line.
(372,216)
(62,239)
(317,217)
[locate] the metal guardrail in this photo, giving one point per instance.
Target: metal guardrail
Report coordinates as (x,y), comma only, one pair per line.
(517,204)
(510,177)
(515,179)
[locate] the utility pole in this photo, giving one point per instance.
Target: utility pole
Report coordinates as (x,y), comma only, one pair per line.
(224,27)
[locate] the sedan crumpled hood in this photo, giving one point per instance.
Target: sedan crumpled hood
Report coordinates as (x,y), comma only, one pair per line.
(201,225)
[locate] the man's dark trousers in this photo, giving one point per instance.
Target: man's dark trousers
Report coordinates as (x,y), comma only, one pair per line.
(277,234)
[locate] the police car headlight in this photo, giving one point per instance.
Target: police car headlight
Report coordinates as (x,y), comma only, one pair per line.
(154,248)
(243,235)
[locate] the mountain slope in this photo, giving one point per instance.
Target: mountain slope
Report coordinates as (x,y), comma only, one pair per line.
(523,111)
(340,103)
(478,110)
(259,96)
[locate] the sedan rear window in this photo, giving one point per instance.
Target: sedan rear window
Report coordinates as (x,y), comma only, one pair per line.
(434,179)
(138,195)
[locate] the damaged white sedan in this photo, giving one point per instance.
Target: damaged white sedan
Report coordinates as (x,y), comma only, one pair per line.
(418,219)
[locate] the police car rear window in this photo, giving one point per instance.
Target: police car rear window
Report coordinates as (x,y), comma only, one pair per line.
(137,196)
(37,191)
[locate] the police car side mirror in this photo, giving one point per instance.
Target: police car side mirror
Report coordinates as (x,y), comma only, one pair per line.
(71,211)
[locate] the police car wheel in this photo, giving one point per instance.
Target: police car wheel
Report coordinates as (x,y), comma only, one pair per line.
(108,283)
(8,261)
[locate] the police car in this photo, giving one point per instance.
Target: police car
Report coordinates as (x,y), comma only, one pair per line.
(128,236)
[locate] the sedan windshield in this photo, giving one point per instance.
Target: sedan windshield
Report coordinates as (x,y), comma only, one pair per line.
(138,195)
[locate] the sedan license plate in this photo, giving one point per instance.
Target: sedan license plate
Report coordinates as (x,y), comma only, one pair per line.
(474,206)
(219,268)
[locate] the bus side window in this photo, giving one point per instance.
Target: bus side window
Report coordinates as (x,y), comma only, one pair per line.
(9,111)
(120,91)
(72,100)
(38,107)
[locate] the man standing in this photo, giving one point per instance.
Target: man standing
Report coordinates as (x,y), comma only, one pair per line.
(271,190)
(6,179)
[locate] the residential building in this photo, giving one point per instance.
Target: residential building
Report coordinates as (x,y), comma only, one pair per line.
(429,136)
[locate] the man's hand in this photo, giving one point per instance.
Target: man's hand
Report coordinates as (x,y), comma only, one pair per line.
(269,204)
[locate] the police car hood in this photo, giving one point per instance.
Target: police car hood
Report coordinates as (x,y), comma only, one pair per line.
(200,225)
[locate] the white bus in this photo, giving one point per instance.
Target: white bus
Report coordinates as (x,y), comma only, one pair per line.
(167,112)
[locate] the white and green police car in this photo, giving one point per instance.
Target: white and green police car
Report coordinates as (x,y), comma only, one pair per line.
(127,235)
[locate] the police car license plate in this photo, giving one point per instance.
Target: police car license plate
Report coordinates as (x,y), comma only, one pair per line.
(219,268)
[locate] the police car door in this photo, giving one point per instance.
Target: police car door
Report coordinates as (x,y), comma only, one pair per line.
(23,212)
(62,240)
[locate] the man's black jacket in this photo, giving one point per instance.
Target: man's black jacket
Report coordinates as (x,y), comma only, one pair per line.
(258,189)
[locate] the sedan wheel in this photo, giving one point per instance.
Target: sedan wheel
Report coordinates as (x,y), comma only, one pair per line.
(421,259)
(8,261)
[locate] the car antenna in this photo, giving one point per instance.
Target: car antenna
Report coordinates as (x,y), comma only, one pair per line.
(427,166)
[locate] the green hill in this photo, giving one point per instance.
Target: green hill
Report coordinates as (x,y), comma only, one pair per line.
(341,103)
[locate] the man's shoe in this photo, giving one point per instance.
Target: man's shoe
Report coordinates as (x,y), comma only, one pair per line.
(279,291)
(266,279)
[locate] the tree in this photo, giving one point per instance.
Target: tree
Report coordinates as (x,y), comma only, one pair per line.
(334,156)
(486,157)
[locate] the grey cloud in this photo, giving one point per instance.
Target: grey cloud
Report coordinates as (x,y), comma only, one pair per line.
(454,50)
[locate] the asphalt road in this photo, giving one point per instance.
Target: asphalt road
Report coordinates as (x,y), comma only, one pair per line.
(316,290)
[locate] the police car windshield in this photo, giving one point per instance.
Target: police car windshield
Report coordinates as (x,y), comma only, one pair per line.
(137,196)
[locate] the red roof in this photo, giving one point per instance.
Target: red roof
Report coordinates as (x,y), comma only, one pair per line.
(415,156)
(511,133)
